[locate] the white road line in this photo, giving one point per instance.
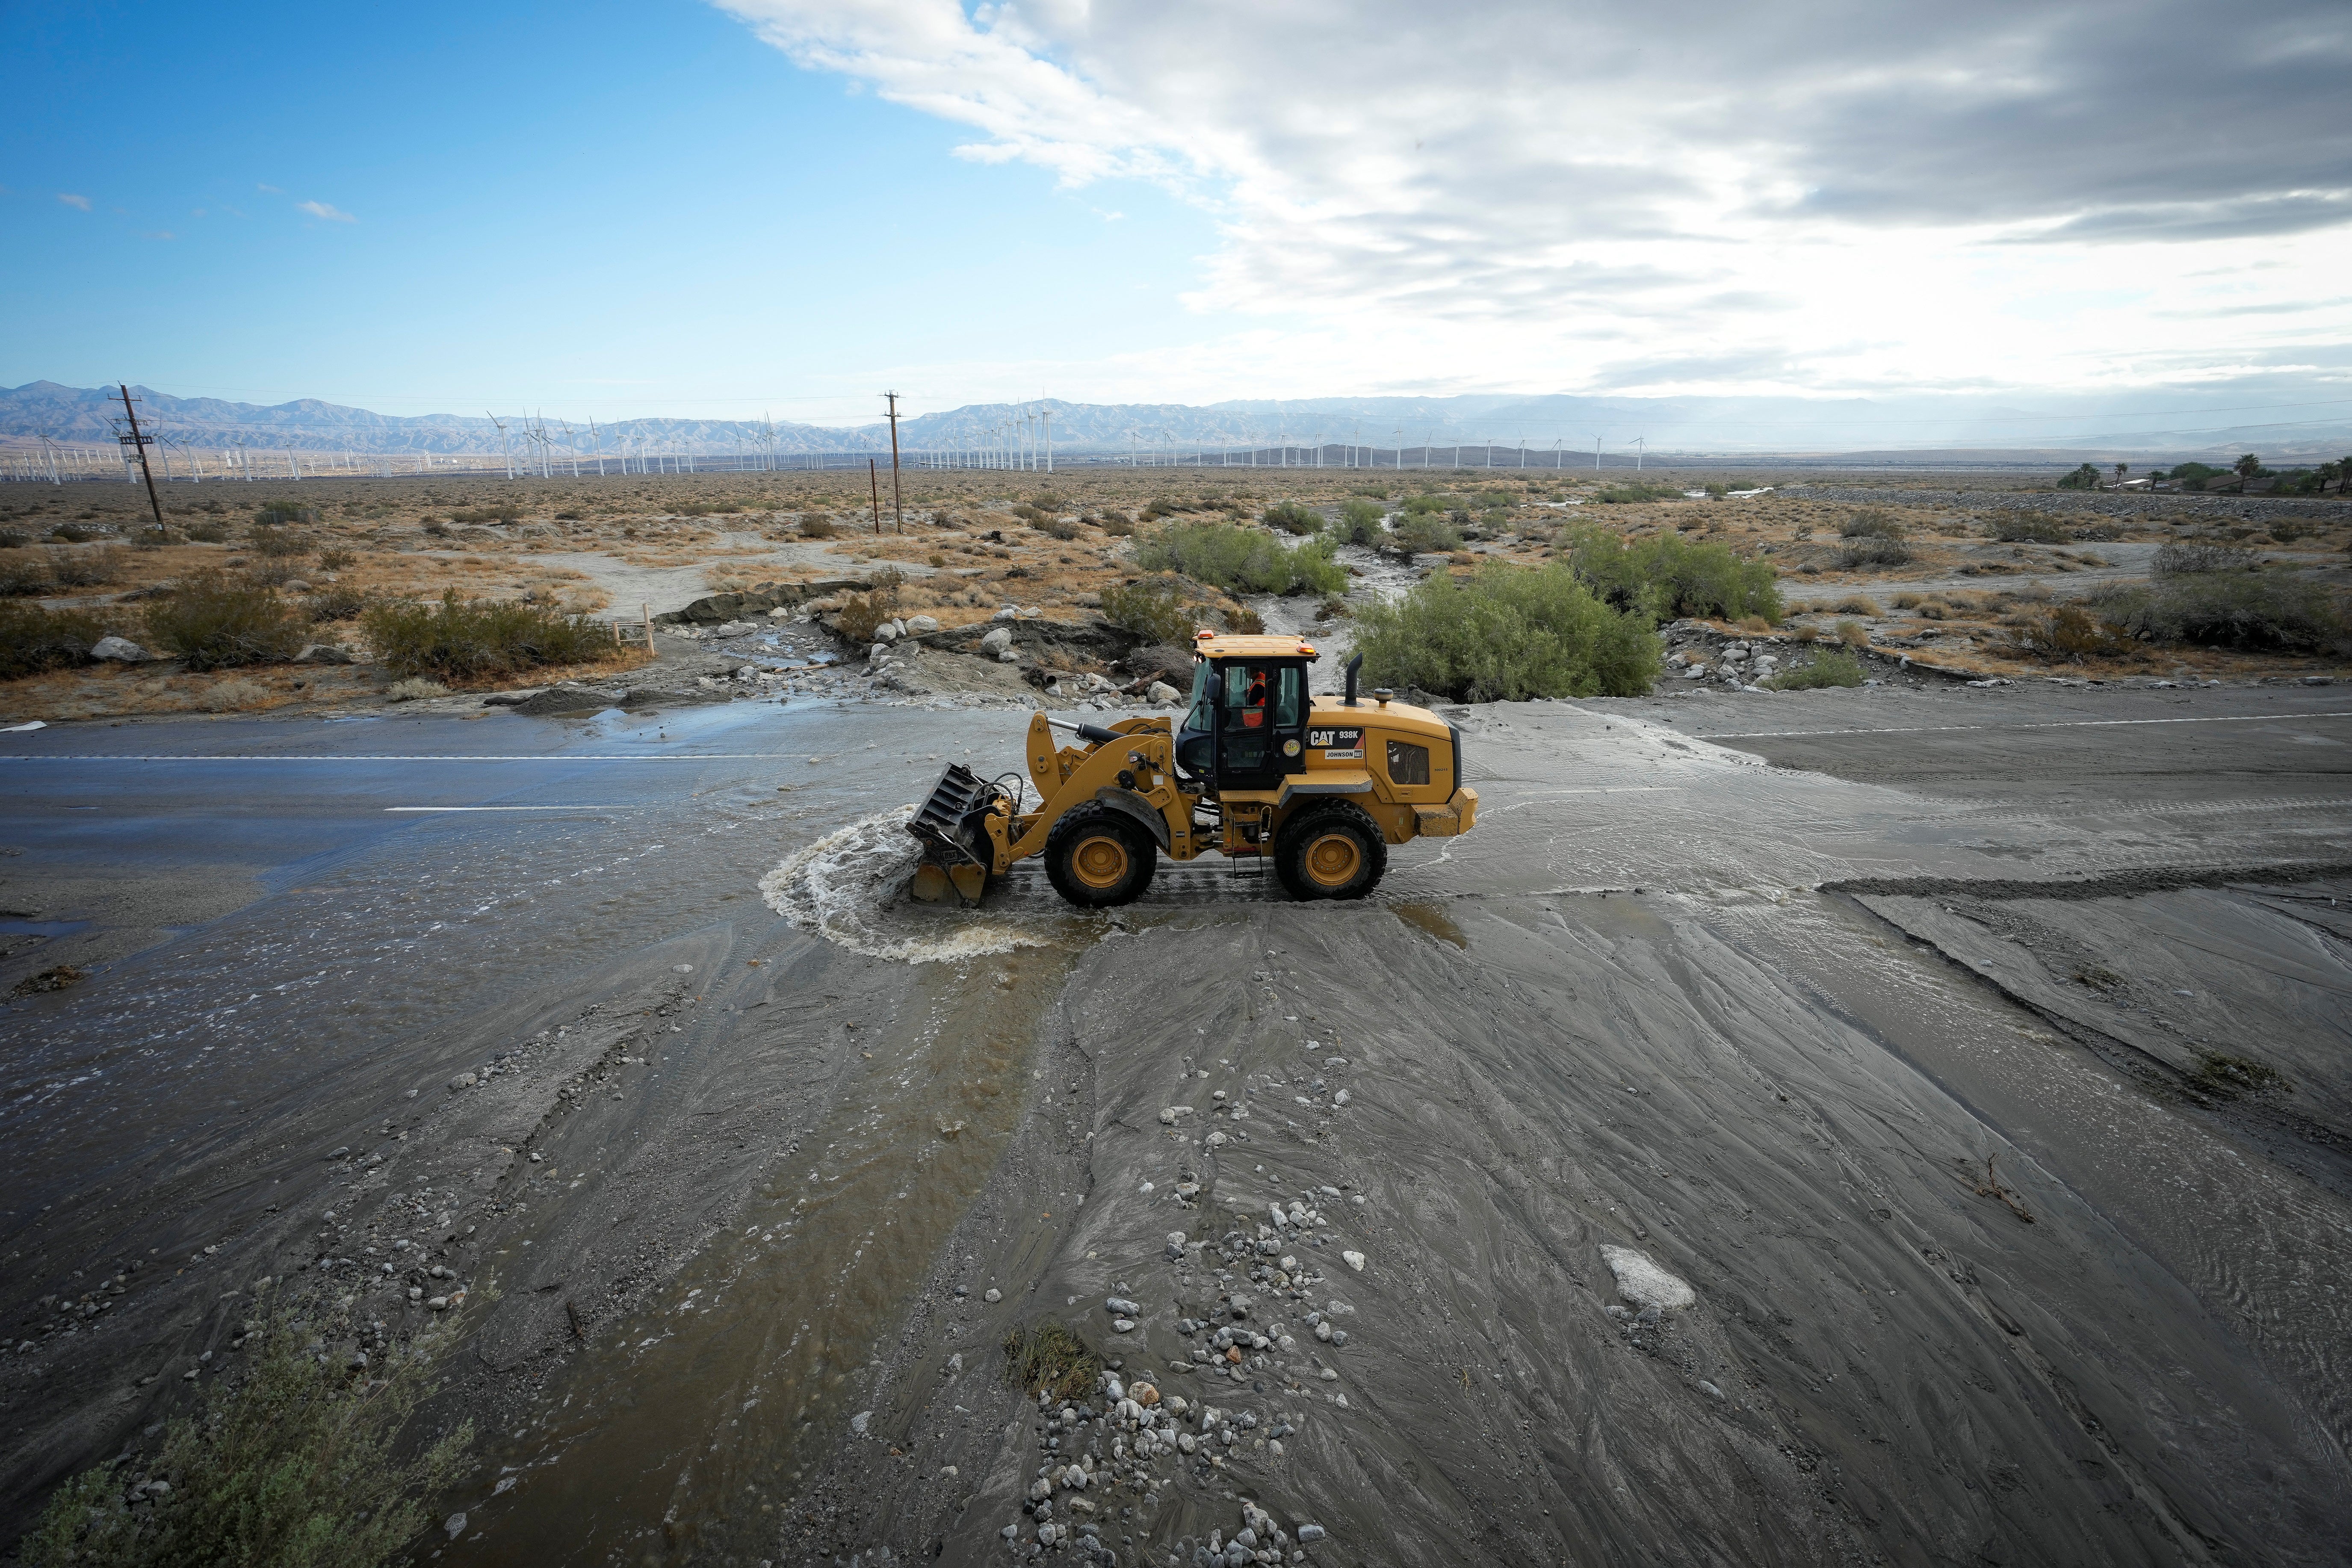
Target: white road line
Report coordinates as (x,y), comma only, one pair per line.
(2054,724)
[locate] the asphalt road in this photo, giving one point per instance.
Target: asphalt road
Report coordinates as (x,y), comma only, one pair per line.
(707,1215)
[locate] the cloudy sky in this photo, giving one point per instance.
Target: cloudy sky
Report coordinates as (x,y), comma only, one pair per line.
(670,207)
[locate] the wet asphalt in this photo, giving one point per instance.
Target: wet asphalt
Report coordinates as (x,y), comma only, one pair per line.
(1756,985)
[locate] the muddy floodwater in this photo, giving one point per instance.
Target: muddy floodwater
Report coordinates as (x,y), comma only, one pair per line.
(1826,1127)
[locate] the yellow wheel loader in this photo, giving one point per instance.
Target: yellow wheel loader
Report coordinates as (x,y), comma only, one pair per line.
(1258,770)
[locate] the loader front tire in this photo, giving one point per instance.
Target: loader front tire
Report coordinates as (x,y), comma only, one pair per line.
(1096,857)
(1333,851)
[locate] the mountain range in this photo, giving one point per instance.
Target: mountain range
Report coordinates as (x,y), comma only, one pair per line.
(2166,426)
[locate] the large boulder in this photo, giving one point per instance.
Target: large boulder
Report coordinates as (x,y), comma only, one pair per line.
(719,608)
(119,650)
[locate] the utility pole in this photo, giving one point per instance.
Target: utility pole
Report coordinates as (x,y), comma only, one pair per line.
(874,476)
(139,443)
(897,510)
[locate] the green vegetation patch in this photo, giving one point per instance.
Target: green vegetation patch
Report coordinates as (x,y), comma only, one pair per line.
(1243,560)
(1667,576)
(1359,522)
(1829,668)
(2253,611)
(472,638)
(1050,1359)
(1505,633)
(1154,608)
(215,621)
(2025,528)
(1627,495)
(1293,517)
(33,639)
(298,1466)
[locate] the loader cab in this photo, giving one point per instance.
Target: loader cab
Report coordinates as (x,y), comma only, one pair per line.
(1247,727)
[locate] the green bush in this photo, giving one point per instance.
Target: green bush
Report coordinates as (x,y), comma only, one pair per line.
(298,1466)
(470,638)
(1666,576)
(278,543)
(335,602)
(1869,525)
(2025,530)
(278,511)
(33,639)
(213,621)
(73,534)
(1293,517)
(2190,555)
(86,568)
(1243,560)
(22,577)
(2085,478)
(1422,534)
(1873,552)
(207,532)
(1507,633)
(815,527)
(1359,522)
(1830,667)
(1623,495)
(2247,610)
(1153,607)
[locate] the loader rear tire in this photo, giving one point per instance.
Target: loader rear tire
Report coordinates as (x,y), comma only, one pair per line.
(1333,851)
(1096,857)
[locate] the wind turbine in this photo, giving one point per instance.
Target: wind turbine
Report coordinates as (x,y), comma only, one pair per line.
(503,452)
(1640,445)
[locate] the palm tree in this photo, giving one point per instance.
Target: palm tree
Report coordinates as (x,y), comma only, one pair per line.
(2248,465)
(2121,469)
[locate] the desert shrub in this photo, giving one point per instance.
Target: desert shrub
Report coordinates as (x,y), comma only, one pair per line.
(1293,517)
(2026,529)
(506,512)
(14,538)
(335,602)
(215,621)
(2237,610)
(1117,524)
(2191,555)
(470,638)
(1060,528)
(33,639)
(73,534)
(1507,633)
(86,568)
(1853,634)
(1244,622)
(1830,667)
(233,697)
(2066,631)
(1332,609)
(1869,525)
(207,532)
(1359,522)
(300,1463)
(1908,601)
(862,614)
(1422,534)
(1626,495)
(1804,631)
(415,688)
(1873,551)
(1153,607)
(22,577)
(334,558)
(1857,604)
(278,543)
(280,512)
(1668,576)
(815,527)
(1242,560)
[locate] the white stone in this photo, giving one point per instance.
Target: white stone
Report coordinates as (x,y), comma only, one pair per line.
(919,623)
(119,650)
(997,641)
(887,632)
(1355,1260)
(1160,693)
(1640,1281)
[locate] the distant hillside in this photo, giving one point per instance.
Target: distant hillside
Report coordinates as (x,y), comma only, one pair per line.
(1718,427)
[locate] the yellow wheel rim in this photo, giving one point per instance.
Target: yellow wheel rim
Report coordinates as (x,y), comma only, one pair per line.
(1101,863)
(1334,859)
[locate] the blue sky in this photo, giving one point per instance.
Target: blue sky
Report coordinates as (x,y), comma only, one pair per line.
(632,208)
(785,206)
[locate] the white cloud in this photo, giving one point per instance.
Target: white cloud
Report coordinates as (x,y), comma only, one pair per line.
(320,209)
(1698,196)
(74,201)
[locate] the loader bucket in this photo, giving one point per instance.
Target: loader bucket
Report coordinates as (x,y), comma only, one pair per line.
(955,845)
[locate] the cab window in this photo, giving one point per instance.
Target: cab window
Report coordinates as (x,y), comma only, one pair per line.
(1262,697)
(1408,764)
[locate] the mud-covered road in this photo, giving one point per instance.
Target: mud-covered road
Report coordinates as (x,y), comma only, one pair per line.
(1820,1127)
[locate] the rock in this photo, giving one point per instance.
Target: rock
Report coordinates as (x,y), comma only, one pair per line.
(464,1080)
(887,632)
(1307,1532)
(1169,1114)
(295,585)
(1008,656)
(1354,1260)
(1342,1097)
(996,641)
(1641,1281)
(326,653)
(1009,611)
(455,1524)
(508,698)
(564,699)
(991,1295)
(1217,1140)
(1159,691)
(1143,1393)
(917,625)
(119,650)
(857,1423)
(1123,1307)
(1709,1389)
(875,653)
